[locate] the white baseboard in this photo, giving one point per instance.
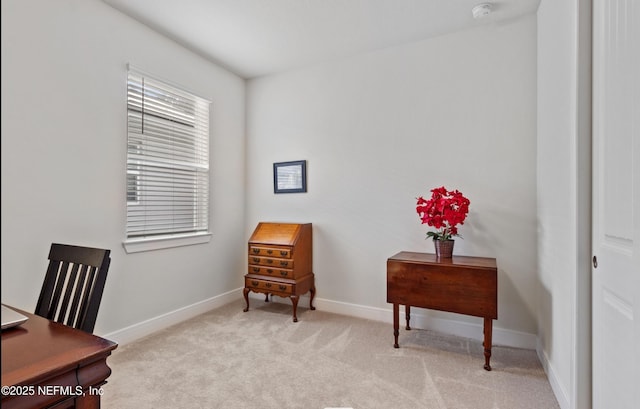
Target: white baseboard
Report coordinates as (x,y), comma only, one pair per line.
(419,320)
(148,327)
(556,386)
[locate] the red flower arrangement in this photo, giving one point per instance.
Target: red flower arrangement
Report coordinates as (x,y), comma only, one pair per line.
(445,211)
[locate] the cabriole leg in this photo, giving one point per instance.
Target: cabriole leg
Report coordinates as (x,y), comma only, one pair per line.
(294,300)
(313,293)
(246,298)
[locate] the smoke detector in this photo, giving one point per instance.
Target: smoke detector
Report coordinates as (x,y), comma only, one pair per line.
(481,10)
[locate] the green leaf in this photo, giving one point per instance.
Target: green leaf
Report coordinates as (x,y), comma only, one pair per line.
(436,235)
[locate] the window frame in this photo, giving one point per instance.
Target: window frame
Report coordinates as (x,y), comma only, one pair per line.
(176,159)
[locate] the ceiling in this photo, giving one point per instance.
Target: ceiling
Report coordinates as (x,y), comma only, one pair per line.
(259,37)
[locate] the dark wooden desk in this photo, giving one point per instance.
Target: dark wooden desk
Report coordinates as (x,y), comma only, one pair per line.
(47,364)
(464,285)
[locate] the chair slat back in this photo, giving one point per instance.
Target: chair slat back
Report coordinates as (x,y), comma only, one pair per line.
(73,285)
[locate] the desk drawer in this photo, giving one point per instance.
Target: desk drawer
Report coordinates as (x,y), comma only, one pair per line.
(271,272)
(270,286)
(269,251)
(271,262)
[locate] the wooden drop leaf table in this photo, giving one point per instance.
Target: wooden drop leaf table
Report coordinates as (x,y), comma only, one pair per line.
(461,284)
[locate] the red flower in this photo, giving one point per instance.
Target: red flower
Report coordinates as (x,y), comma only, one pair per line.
(444,211)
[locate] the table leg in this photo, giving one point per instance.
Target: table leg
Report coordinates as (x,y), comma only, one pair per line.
(294,300)
(407,313)
(246,298)
(313,294)
(488,330)
(396,324)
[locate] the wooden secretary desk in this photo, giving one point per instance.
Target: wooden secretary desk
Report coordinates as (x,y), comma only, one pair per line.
(281,263)
(464,285)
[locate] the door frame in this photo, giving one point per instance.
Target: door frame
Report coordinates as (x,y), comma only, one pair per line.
(581,359)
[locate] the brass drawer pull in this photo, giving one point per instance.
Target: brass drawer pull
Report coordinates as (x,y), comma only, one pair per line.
(256,251)
(269,261)
(255,283)
(268,285)
(282,287)
(256,269)
(256,259)
(284,253)
(284,273)
(269,251)
(284,263)
(270,271)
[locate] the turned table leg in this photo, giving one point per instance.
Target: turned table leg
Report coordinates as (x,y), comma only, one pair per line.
(488,329)
(396,324)
(407,313)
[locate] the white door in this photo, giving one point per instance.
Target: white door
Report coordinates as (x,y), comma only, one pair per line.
(616,204)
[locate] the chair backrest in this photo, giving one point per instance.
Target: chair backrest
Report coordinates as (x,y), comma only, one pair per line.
(73,286)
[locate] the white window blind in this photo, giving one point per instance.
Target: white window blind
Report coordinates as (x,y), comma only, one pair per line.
(167,159)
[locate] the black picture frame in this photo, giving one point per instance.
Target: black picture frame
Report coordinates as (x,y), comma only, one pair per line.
(290,177)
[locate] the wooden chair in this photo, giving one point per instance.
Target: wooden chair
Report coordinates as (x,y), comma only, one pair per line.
(72,288)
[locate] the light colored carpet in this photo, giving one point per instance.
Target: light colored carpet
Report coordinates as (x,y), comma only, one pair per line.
(261,359)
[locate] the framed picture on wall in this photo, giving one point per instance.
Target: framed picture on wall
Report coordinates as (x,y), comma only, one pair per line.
(290,177)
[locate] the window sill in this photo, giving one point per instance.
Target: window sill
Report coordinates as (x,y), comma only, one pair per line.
(158,243)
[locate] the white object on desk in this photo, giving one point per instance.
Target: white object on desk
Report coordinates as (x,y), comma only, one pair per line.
(11,318)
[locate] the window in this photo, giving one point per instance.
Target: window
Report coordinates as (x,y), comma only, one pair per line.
(167,164)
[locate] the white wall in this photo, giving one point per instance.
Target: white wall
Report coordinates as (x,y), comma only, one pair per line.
(382,128)
(377,131)
(564,197)
(64,70)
